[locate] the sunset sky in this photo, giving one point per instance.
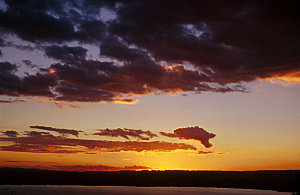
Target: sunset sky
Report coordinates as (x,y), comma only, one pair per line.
(147,84)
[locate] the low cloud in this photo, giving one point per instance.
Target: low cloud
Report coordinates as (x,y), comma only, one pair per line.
(63,132)
(126,133)
(100,168)
(62,167)
(10,133)
(193,133)
(204,152)
(44,142)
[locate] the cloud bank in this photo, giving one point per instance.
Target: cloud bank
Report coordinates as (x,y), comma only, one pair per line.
(44,142)
(147,47)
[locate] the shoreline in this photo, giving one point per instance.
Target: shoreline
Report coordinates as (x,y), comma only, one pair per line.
(281,181)
(61,189)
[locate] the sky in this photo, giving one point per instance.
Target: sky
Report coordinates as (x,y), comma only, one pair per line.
(115,85)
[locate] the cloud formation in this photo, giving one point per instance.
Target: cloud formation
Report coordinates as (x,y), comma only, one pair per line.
(44,142)
(62,167)
(126,133)
(204,152)
(31,85)
(10,133)
(230,41)
(96,81)
(148,47)
(99,168)
(193,133)
(66,53)
(63,132)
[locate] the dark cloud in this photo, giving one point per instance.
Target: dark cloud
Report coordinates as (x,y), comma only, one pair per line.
(33,24)
(44,142)
(75,93)
(7,67)
(205,152)
(194,133)
(141,76)
(37,134)
(99,168)
(224,43)
(10,133)
(49,21)
(9,82)
(38,148)
(63,132)
(126,133)
(96,81)
(116,48)
(65,53)
(237,41)
(31,85)
(37,85)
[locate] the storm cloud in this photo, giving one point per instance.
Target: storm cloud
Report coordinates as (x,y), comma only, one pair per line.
(148,47)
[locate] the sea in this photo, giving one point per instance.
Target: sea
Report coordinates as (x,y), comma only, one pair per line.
(126,190)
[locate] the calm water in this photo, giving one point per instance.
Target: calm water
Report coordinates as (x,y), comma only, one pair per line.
(124,190)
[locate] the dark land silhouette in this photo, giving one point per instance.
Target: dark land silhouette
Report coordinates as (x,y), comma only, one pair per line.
(282,180)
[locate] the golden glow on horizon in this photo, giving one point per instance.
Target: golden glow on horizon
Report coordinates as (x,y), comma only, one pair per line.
(125,102)
(175,160)
(259,133)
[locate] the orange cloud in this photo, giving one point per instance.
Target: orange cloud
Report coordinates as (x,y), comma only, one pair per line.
(289,79)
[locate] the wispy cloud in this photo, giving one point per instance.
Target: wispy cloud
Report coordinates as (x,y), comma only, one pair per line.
(63,167)
(100,168)
(126,133)
(44,142)
(58,130)
(10,133)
